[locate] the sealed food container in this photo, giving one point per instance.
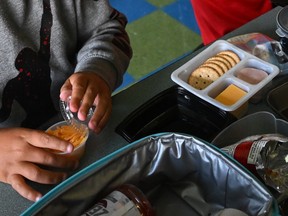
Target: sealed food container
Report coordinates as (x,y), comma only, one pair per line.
(237,77)
(179,175)
(125,200)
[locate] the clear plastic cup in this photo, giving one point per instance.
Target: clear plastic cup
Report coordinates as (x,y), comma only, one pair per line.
(71,117)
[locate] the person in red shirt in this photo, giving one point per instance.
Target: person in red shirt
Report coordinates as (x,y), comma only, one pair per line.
(216,18)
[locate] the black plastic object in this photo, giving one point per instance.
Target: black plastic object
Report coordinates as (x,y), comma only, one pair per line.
(282,18)
(282,31)
(277,100)
(175,110)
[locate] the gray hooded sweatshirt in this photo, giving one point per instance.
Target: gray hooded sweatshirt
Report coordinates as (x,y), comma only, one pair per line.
(43,42)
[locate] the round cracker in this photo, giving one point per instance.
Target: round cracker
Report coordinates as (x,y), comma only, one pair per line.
(224,61)
(217,67)
(231,61)
(232,54)
(220,63)
(202,77)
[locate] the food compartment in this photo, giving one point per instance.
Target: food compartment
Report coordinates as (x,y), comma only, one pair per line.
(236,75)
(207,66)
(213,68)
(229,92)
(253,71)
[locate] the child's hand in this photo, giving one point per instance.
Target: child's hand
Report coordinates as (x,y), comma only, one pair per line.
(88,89)
(23,151)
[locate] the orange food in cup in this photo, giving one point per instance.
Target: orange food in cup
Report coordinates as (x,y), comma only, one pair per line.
(69,133)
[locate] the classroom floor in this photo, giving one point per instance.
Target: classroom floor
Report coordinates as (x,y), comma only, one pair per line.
(160,32)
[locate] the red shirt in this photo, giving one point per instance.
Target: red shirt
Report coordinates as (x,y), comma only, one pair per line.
(216,18)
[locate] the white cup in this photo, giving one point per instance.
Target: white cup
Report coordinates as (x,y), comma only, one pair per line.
(80,148)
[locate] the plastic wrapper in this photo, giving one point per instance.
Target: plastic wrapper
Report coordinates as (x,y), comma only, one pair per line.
(267,155)
(264,48)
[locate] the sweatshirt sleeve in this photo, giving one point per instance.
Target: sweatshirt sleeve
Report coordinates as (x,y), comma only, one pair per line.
(104,45)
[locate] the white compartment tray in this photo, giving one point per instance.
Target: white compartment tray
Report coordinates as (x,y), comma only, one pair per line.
(181,75)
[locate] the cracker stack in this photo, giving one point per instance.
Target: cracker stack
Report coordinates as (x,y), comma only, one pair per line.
(213,68)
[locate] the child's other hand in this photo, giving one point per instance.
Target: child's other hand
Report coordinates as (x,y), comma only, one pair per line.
(23,153)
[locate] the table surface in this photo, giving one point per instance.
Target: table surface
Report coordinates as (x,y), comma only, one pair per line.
(127,101)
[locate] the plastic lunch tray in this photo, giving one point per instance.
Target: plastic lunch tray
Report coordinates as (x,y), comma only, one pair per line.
(181,75)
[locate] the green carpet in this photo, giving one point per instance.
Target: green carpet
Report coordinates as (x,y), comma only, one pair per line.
(156,40)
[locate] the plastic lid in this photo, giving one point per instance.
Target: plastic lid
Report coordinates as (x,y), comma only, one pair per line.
(282,22)
(71,117)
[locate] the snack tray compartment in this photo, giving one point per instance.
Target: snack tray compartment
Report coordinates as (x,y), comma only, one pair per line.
(181,75)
